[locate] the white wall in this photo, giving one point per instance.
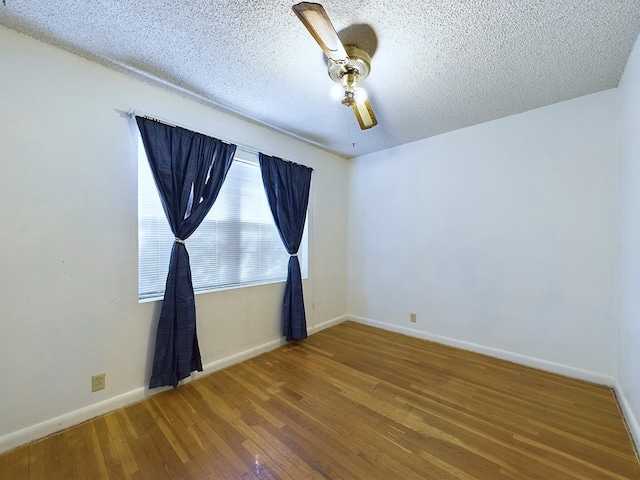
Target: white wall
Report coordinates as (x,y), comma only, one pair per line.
(500,236)
(68,264)
(629,242)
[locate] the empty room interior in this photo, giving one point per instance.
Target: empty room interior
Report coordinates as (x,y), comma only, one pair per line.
(468,241)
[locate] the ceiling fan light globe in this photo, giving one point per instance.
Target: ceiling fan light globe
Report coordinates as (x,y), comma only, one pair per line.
(337,92)
(360,95)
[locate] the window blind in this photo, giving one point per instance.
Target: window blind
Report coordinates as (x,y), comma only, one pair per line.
(236,245)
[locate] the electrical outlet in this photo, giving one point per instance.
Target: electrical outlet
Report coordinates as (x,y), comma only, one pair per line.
(412,317)
(97,382)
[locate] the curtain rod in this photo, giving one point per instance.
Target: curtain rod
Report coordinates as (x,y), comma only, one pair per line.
(245,148)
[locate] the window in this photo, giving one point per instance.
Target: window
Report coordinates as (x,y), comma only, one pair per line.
(236,245)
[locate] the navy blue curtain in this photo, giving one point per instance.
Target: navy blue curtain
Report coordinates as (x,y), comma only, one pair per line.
(287,186)
(189,169)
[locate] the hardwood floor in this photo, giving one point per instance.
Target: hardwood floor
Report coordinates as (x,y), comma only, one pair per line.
(351,402)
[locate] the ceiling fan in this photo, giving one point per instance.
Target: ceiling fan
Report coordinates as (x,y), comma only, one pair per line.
(348,64)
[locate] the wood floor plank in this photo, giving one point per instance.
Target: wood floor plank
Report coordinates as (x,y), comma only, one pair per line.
(98,465)
(351,402)
(58,458)
(78,442)
(120,444)
(110,456)
(17,465)
(36,460)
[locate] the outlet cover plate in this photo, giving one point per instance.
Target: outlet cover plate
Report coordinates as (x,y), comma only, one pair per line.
(97,382)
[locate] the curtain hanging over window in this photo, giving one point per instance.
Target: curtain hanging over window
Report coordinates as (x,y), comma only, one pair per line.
(287,187)
(189,168)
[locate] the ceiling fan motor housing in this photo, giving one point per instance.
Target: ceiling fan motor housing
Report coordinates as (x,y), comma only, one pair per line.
(355,70)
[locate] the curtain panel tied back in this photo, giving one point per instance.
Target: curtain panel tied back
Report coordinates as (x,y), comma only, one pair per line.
(287,187)
(189,168)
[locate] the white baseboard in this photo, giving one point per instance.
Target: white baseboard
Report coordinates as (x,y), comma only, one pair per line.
(43,429)
(327,324)
(540,364)
(259,350)
(48,427)
(629,417)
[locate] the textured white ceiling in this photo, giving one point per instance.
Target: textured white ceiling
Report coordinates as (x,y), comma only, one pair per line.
(436,65)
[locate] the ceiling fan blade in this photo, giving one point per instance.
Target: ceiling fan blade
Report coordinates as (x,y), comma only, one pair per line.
(364,114)
(314,17)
